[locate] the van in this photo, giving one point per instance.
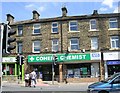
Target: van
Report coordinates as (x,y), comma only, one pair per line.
(109,85)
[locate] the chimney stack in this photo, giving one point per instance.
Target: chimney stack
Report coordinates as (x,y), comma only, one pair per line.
(95,12)
(35,14)
(10,18)
(64,11)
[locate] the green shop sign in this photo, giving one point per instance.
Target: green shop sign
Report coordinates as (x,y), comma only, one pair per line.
(61,57)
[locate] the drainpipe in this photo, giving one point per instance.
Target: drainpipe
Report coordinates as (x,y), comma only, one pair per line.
(61,37)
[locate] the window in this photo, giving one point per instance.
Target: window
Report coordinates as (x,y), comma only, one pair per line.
(113,23)
(74,44)
(78,70)
(36,46)
(115,42)
(8,69)
(19,47)
(73,26)
(20,30)
(36,28)
(93,24)
(55,27)
(94,43)
(55,45)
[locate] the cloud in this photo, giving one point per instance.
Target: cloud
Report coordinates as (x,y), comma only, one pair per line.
(30,6)
(37,7)
(117,10)
(41,8)
(103,9)
(108,3)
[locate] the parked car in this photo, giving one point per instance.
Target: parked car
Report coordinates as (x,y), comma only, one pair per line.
(109,85)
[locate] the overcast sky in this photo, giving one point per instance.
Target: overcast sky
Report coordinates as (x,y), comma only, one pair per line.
(23,10)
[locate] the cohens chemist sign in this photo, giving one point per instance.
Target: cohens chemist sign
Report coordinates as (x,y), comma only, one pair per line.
(61,57)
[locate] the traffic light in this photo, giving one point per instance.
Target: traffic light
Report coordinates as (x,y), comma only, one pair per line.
(17,58)
(56,58)
(7,39)
(20,59)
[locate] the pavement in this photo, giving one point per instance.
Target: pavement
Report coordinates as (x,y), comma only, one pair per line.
(46,83)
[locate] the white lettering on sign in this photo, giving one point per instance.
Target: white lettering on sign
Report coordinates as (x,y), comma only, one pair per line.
(111,56)
(95,56)
(8,59)
(41,58)
(62,57)
(73,57)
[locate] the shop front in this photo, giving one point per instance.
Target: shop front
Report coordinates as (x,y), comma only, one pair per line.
(72,66)
(112,63)
(10,69)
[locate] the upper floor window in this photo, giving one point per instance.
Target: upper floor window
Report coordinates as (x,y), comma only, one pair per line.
(19,47)
(36,29)
(54,27)
(73,26)
(20,30)
(36,46)
(94,43)
(93,25)
(113,23)
(55,45)
(74,44)
(115,42)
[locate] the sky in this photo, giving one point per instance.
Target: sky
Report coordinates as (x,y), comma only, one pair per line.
(23,10)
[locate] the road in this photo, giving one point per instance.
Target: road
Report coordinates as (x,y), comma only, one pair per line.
(46,88)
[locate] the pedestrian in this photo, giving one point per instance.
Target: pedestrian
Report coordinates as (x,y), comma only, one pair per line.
(33,78)
(26,79)
(30,78)
(65,77)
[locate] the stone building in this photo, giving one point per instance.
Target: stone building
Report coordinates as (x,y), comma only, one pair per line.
(80,43)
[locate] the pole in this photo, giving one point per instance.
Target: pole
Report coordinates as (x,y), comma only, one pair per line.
(53,73)
(19,67)
(1,42)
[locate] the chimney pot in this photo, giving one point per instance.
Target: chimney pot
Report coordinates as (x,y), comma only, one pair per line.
(10,18)
(95,12)
(64,11)
(35,14)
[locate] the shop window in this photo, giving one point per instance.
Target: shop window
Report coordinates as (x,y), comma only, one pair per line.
(8,69)
(78,71)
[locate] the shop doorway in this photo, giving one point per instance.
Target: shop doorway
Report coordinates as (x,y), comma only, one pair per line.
(44,71)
